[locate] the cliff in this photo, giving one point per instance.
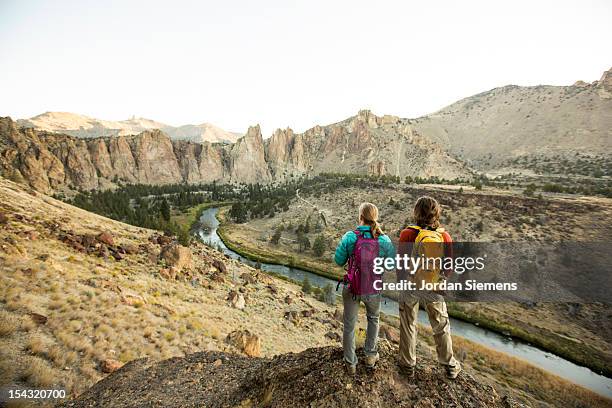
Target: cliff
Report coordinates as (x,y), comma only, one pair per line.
(51,161)
(365,144)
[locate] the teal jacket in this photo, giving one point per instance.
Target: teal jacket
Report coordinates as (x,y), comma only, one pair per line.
(347,245)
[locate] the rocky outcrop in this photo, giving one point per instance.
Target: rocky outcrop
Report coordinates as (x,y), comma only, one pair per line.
(362,144)
(365,144)
(247,158)
(313,378)
(50,161)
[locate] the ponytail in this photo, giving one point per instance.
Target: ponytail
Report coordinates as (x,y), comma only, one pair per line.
(368,214)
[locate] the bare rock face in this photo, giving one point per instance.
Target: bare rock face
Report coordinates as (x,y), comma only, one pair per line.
(155,159)
(479,132)
(605,84)
(285,154)
(247,158)
(362,144)
(122,159)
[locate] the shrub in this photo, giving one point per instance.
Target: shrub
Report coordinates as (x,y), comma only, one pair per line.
(38,373)
(306,286)
(8,324)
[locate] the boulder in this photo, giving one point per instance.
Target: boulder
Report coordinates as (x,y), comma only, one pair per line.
(293,317)
(3,218)
(106,238)
(236,300)
(245,341)
(220,266)
(248,278)
(110,365)
(38,318)
(164,240)
(168,273)
(177,256)
(130,249)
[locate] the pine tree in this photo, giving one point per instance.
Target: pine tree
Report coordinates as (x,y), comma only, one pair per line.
(276,236)
(318,247)
(164,210)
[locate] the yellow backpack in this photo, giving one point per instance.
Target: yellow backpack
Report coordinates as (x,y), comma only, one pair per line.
(428,245)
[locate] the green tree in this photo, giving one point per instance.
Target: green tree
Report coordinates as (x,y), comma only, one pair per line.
(276,236)
(318,247)
(164,210)
(183,237)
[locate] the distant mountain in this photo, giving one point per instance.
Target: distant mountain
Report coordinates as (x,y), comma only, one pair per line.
(205,132)
(511,122)
(85,127)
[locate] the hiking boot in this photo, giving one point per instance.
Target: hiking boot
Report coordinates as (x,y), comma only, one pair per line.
(350,368)
(370,361)
(407,371)
(453,371)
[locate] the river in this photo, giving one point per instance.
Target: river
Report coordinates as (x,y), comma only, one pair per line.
(540,358)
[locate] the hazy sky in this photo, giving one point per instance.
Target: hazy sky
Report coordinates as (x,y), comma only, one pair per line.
(286,63)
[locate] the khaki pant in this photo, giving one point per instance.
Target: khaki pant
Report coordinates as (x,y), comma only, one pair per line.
(440,324)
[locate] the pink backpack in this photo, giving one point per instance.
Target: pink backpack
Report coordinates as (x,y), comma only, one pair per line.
(360,275)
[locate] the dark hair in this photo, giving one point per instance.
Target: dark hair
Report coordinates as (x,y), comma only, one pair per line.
(427,212)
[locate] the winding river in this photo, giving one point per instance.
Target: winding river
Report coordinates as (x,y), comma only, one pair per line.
(540,358)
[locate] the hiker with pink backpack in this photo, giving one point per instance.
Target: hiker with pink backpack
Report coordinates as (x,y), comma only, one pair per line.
(357,250)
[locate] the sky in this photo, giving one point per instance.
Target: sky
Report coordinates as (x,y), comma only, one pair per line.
(236,63)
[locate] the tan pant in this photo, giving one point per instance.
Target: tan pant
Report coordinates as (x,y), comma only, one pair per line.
(440,324)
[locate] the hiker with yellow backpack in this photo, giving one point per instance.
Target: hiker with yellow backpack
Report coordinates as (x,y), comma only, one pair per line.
(428,240)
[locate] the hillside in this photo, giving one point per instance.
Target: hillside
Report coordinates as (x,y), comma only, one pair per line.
(85,127)
(81,295)
(76,303)
(491,128)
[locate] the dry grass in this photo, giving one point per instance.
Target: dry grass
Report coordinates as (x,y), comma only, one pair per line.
(38,373)
(9,324)
(37,345)
(7,369)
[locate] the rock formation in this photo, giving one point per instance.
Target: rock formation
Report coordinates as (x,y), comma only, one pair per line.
(481,132)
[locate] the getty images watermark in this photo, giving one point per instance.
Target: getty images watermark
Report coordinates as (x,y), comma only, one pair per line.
(518,271)
(429,274)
